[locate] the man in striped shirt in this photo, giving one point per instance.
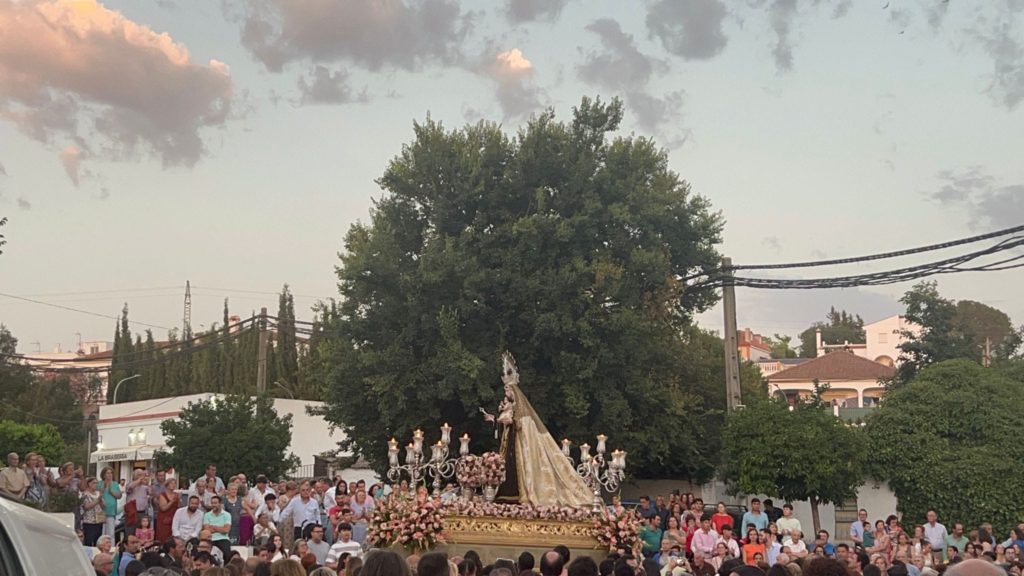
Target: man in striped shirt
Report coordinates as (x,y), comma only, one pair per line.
(344,544)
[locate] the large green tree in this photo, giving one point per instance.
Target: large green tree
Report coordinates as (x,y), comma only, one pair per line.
(839,327)
(801,454)
(950,440)
(39,438)
(952,329)
(990,327)
(237,433)
(562,244)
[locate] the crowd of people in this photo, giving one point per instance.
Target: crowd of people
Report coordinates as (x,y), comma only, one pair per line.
(152,525)
(681,538)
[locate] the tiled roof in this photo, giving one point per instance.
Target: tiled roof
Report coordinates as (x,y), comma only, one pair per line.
(838,365)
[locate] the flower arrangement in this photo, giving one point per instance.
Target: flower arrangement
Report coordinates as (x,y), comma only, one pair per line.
(617,531)
(493,466)
(416,526)
(470,472)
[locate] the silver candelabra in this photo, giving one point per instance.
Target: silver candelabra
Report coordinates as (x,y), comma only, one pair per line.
(439,466)
(597,472)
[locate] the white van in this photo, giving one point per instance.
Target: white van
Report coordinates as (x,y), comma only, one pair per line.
(33,543)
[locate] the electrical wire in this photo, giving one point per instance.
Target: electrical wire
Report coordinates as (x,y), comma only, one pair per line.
(197,338)
(945,266)
(884,255)
(130,365)
(70,309)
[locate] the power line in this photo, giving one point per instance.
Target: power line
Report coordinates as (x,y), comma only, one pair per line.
(884,255)
(110,291)
(245,291)
(205,336)
(945,266)
(89,312)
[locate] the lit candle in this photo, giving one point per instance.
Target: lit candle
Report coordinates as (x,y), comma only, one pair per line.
(417,440)
(600,443)
(584,451)
(566,443)
(464,449)
(393,457)
(392,444)
(437,452)
(410,454)
(446,434)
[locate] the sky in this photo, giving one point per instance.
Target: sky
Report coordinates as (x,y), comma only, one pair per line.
(232,143)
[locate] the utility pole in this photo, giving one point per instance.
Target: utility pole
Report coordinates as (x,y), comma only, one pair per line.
(261,368)
(732,357)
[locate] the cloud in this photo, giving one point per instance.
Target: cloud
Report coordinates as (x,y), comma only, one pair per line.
(71,160)
(373,34)
(519,11)
(987,202)
(324,86)
(1003,44)
(619,66)
(780,15)
(515,90)
(772,243)
(77,70)
(24,204)
(691,29)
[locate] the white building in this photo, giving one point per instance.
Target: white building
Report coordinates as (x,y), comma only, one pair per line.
(882,340)
(853,381)
(129,433)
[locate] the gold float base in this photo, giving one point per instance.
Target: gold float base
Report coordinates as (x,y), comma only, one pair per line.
(495,538)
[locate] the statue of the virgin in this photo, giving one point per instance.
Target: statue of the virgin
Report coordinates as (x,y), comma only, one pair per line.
(536,470)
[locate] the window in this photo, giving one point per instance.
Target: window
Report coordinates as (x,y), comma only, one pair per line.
(883,338)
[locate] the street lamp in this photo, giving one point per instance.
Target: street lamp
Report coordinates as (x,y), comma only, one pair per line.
(113,399)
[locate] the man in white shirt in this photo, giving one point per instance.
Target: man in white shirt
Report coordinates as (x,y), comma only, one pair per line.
(270,508)
(188,521)
(788,523)
(795,543)
(303,510)
(730,542)
(936,534)
(345,544)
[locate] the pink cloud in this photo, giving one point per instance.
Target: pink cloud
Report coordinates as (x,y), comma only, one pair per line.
(76,70)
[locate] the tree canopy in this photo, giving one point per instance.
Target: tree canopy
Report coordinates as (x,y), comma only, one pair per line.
(237,433)
(839,327)
(30,398)
(949,330)
(39,438)
(801,454)
(563,245)
(949,440)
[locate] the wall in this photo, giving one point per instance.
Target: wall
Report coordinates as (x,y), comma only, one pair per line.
(887,329)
